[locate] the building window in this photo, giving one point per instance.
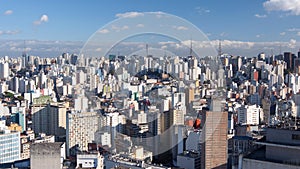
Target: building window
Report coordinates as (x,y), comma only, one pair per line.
(296,136)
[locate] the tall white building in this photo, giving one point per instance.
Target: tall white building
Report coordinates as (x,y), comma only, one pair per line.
(10,149)
(248,114)
(81,129)
(81,104)
(4,70)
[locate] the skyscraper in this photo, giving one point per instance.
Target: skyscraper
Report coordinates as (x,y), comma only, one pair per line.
(214,146)
(49,119)
(81,129)
(4,70)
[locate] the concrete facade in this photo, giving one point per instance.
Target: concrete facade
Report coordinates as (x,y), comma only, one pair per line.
(47,155)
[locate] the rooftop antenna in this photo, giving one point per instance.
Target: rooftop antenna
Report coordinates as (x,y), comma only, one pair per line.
(271,51)
(280,49)
(220,48)
(146,50)
(24,48)
(191,47)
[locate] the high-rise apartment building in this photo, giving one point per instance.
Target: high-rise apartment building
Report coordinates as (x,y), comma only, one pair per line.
(4,70)
(49,119)
(81,129)
(9,144)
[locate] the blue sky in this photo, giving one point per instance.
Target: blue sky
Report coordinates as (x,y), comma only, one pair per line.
(255,21)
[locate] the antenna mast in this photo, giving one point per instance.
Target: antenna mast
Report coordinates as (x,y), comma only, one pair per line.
(220,48)
(147,50)
(191,48)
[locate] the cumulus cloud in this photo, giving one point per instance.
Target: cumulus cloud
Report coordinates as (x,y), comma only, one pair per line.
(180,28)
(298,33)
(140,25)
(8,12)
(129,15)
(158,14)
(98,49)
(260,16)
(293,29)
(104,31)
(44,18)
(292,43)
(282,33)
(201,10)
(14,48)
(290,6)
(223,34)
(9,32)
(119,28)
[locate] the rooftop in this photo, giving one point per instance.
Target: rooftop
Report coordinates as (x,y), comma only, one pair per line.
(260,155)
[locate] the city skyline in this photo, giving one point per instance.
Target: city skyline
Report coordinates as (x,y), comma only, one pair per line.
(51,28)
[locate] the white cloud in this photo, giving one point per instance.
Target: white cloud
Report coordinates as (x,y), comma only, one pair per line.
(291,6)
(104,31)
(201,10)
(223,34)
(164,47)
(180,28)
(166,43)
(140,25)
(8,12)
(282,33)
(298,33)
(158,14)
(9,32)
(98,49)
(119,28)
(260,16)
(234,44)
(294,30)
(44,18)
(258,36)
(292,43)
(129,15)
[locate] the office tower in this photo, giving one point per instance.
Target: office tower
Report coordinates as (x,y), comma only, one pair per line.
(81,129)
(10,149)
(288,58)
(47,155)
(74,59)
(297,65)
(49,119)
(214,136)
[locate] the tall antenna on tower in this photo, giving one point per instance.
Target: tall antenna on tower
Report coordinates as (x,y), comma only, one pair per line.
(280,49)
(271,51)
(147,50)
(191,47)
(220,48)
(24,48)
